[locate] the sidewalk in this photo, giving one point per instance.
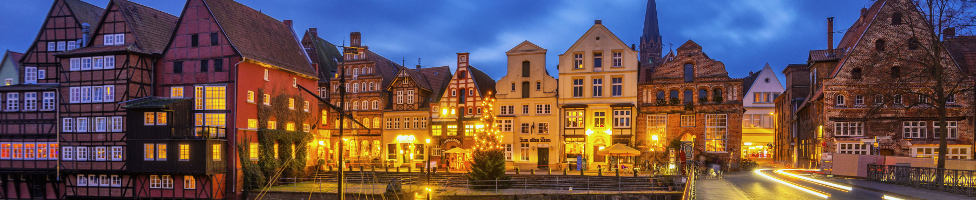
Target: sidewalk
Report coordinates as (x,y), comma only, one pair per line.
(900,190)
(717,189)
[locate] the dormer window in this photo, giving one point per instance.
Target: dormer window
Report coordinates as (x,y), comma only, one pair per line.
(856,73)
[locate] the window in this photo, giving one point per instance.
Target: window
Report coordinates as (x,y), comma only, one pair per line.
(117,124)
(578,87)
(504,125)
(878,100)
(154,181)
(72,45)
(852,148)
(82,180)
(161,152)
(715,132)
(621,118)
(717,95)
(252,151)
(538,86)
(149,118)
(618,86)
(215,152)
(525,109)
(161,118)
(109,62)
(86,63)
(848,128)
(41,74)
(68,152)
(30,101)
(119,38)
(410,97)
(688,120)
(543,128)
(116,181)
(204,65)
(82,153)
(266,75)
(116,153)
(839,100)
(218,65)
(914,129)
(109,94)
(184,152)
(61,45)
(167,182)
(178,67)
(525,128)
(305,106)
(30,75)
(597,87)
(194,40)
(896,99)
(689,72)
(82,124)
(525,68)
(376,104)
(291,103)
(577,60)
(100,123)
(688,97)
(435,130)
(952,132)
(950,98)
(189,182)
(290,126)
(74,64)
(266,100)
(210,97)
(272,125)
(599,119)
(575,119)
(51,46)
(617,59)
(508,151)
(66,125)
(149,151)
(75,95)
(399,97)
(13,101)
(859,100)
(98,63)
(524,151)
(213,39)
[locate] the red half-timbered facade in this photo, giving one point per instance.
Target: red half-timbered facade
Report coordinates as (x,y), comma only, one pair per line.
(94,83)
(457,113)
(28,121)
(244,86)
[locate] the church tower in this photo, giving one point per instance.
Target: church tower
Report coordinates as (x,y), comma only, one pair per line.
(650,41)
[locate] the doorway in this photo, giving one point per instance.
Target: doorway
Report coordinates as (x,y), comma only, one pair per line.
(543,157)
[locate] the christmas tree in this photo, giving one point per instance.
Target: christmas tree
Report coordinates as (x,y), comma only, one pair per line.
(488,161)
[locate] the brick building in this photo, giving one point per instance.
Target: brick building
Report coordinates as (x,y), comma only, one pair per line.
(456,115)
(244,85)
(691,98)
(787,143)
(366,73)
(325,56)
(27,169)
(849,114)
(406,129)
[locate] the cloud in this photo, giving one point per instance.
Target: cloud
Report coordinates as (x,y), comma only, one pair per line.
(744,22)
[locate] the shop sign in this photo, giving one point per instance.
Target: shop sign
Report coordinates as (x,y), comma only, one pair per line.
(535,140)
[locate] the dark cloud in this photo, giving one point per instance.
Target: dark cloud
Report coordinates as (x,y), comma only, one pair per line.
(744,34)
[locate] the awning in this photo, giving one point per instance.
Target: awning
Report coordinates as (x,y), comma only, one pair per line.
(622,150)
(574,106)
(457,150)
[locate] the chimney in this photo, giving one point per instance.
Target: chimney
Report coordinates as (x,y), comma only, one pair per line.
(418,67)
(598,21)
(355,39)
(864,11)
(830,33)
(462,59)
(948,33)
(314,32)
(287,22)
(85,32)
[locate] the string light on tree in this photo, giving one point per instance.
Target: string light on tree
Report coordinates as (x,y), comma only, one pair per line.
(490,138)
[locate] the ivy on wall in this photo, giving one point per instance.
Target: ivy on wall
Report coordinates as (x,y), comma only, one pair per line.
(267,165)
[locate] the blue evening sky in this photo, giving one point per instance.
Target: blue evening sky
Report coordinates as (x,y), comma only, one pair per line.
(744,34)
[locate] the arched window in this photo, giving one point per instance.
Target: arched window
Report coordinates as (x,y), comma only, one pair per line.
(717,95)
(525,68)
(365,105)
(702,95)
(896,19)
(366,122)
(371,86)
(674,96)
(689,96)
(376,105)
(689,72)
(879,45)
(355,87)
(376,122)
(856,73)
(660,97)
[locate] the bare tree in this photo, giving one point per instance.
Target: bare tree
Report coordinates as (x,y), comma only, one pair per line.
(909,72)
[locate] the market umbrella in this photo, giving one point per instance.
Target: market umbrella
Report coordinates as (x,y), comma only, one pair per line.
(622,150)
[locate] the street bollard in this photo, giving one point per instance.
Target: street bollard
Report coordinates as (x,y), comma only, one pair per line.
(599,171)
(532,171)
(516,171)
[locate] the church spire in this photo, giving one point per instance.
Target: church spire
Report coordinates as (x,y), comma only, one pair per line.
(650,41)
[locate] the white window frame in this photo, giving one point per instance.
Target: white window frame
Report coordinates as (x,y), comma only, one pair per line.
(953,132)
(62,45)
(101,124)
(117,124)
(67,153)
(30,101)
(48,101)
(109,62)
(74,64)
(914,129)
(621,118)
(853,148)
(67,124)
(109,93)
(74,95)
(82,180)
(711,124)
(839,100)
(81,124)
(13,102)
(848,128)
(98,63)
(97,92)
(86,63)
(30,75)
(86,94)
(116,153)
(108,40)
(100,153)
(82,153)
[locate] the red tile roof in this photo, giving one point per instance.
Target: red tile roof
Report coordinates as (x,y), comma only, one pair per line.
(482,81)
(85,12)
(260,37)
(152,28)
(437,79)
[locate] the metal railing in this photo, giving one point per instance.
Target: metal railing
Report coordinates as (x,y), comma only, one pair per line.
(956,181)
(689,190)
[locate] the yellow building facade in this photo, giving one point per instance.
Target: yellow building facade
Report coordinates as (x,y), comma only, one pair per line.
(597,98)
(526,110)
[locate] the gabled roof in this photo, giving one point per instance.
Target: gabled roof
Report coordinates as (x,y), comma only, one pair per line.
(12,56)
(597,27)
(525,47)
(437,78)
(825,55)
(85,12)
(151,28)
(326,56)
(386,67)
(963,51)
(414,76)
(260,37)
(854,34)
(482,81)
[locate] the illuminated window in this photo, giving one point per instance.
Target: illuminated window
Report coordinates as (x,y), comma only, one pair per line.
(599,119)
(290,126)
(250,96)
(306,128)
(252,151)
(266,100)
(215,152)
(291,103)
(687,120)
(176,92)
(577,60)
(272,125)
(575,119)
(189,182)
(149,150)
(161,152)
(435,130)
(149,118)
(210,97)
(252,123)
(715,132)
(305,106)
(184,152)
(161,118)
